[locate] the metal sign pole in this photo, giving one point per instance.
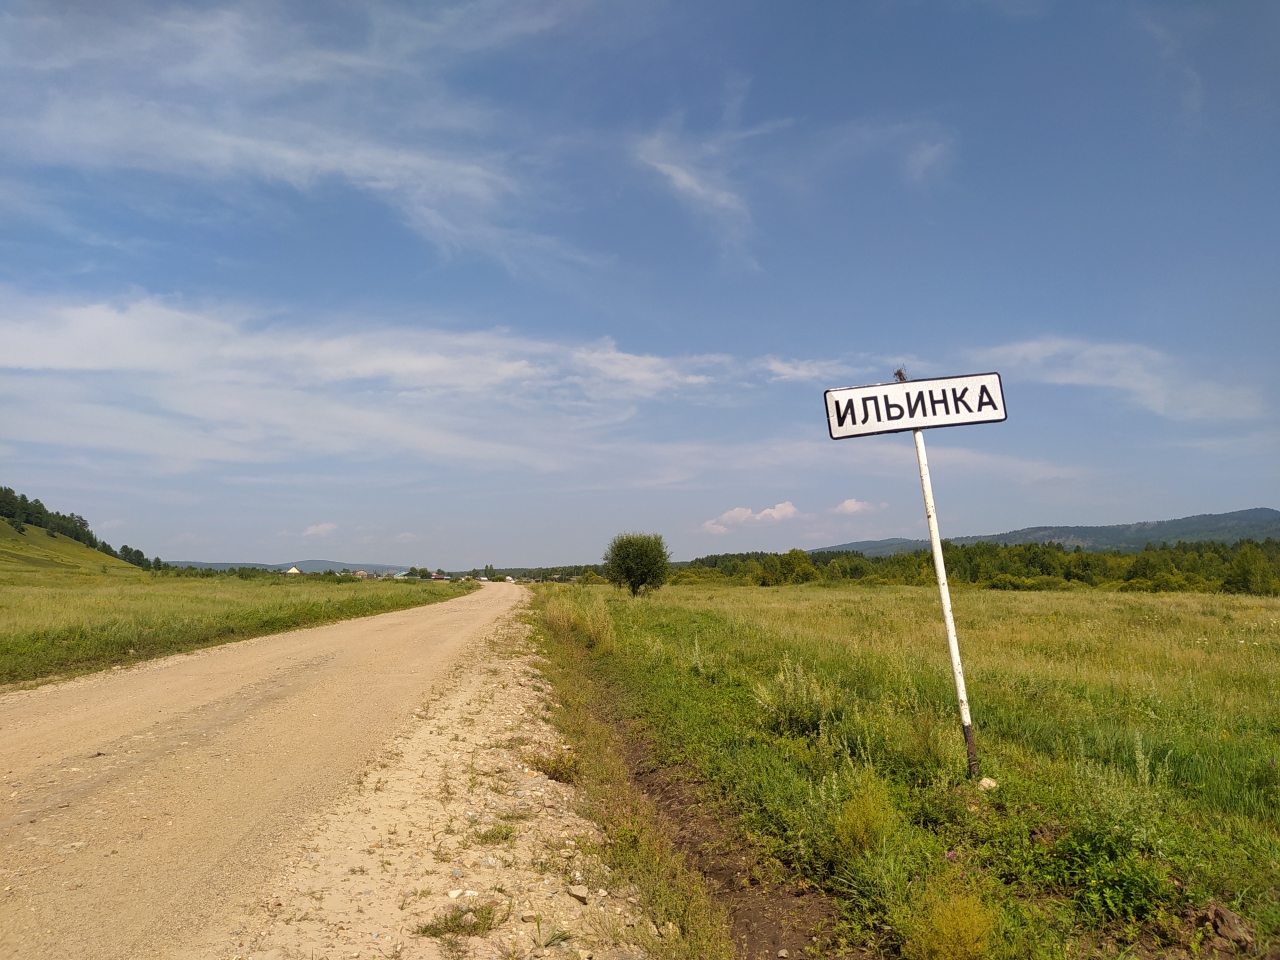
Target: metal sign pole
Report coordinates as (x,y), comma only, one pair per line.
(940,569)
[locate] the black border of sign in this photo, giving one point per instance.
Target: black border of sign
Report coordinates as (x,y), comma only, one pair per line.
(898,383)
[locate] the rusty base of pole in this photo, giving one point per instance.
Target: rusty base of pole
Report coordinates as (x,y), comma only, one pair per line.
(972,747)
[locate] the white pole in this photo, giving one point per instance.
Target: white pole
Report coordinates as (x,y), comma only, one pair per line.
(941,570)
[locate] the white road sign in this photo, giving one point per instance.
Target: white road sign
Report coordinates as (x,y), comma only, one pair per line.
(914,405)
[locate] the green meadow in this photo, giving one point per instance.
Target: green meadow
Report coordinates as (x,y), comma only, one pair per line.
(1134,739)
(67,609)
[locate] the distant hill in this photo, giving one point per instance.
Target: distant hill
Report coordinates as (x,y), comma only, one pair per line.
(1256,524)
(877,548)
(306,566)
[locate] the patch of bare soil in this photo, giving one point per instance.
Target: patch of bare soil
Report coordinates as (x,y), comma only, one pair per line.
(453,844)
(771,914)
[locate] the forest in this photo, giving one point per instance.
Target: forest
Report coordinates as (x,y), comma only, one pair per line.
(1244,567)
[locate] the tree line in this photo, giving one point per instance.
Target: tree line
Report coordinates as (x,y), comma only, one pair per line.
(19,512)
(1247,566)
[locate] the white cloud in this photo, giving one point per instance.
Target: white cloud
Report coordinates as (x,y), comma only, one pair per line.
(782,511)
(741,516)
(320,530)
(851,507)
(1150,378)
(179,388)
(405,537)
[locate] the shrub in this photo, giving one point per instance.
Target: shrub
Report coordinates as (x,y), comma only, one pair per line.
(637,561)
(1007,581)
(943,925)
(864,819)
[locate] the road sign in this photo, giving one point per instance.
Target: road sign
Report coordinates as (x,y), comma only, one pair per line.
(917,405)
(914,405)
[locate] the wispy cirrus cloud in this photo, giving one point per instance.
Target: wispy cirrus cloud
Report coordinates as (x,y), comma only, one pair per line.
(320,530)
(714,171)
(804,371)
(1158,26)
(697,173)
(921,150)
(249,94)
(1150,378)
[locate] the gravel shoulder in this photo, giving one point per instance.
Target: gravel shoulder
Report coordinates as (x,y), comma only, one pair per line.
(451,825)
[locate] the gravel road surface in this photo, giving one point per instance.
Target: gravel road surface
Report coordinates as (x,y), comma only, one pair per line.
(144,808)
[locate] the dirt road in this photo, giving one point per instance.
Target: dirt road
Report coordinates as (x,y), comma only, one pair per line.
(143,805)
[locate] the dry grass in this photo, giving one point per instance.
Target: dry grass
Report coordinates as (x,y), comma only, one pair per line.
(581,614)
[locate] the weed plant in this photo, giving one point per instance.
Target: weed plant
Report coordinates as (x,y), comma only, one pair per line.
(1134,738)
(498,833)
(562,766)
(466,921)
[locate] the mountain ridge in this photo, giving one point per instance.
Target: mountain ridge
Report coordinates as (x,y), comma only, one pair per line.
(1257,523)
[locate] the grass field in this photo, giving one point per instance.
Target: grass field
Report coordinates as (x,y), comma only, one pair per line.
(1135,740)
(66,609)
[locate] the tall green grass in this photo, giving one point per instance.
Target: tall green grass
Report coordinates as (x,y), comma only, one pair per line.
(1135,739)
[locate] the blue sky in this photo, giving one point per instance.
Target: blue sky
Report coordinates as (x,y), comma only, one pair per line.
(466,283)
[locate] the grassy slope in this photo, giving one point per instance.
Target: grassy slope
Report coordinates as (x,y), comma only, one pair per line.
(1134,738)
(66,609)
(34,553)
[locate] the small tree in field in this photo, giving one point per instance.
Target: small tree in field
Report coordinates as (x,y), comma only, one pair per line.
(637,561)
